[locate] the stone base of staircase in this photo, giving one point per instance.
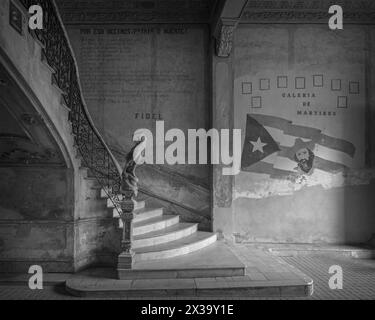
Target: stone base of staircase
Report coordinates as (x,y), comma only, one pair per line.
(242,287)
(173,258)
(215,271)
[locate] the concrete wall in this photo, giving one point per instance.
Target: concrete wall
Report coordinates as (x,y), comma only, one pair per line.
(48,215)
(36,219)
(97,237)
(325,204)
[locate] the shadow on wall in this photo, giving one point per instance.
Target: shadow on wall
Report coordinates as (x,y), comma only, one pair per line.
(359,213)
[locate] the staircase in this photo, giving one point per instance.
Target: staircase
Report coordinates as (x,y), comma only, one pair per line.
(162,245)
(160,236)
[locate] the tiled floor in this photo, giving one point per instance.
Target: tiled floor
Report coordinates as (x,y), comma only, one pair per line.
(358,275)
(261,265)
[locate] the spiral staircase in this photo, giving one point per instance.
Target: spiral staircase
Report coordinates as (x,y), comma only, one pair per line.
(163,246)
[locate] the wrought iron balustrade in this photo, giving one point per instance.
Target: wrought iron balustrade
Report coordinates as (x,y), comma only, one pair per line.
(59,55)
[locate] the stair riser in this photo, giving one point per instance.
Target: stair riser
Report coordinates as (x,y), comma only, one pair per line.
(110,203)
(148,215)
(91,193)
(188,248)
(155,226)
(178,234)
(152,213)
(137,206)
(104,192)
(180,274)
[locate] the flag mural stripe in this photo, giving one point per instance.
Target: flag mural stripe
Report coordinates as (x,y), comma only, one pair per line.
(283,174)
(337,144)
(267,168)
(328,166)
(303,132)
(274,172)
(260,167)
(333,155)
(272,121)
(289,129)
(282,138)
(285,164)
(281,163)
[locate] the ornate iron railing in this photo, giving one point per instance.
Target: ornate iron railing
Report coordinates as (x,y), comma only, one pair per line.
(58,53)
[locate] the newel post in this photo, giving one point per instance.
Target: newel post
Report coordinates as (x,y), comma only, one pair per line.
(125,259)
(129,190)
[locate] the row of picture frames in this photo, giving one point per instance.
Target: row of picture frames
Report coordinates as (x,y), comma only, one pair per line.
(299,83)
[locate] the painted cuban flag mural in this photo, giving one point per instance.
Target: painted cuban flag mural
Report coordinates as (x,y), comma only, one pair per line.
(281,149)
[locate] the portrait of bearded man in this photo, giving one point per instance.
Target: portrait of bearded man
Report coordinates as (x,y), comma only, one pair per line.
(305,159)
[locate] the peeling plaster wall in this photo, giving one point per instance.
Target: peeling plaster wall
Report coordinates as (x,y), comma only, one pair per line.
(36,219)
(334,207)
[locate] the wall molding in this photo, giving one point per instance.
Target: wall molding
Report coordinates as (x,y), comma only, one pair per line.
(307,11)
(133,11)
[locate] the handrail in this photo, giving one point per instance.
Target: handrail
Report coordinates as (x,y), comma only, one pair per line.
(58,53)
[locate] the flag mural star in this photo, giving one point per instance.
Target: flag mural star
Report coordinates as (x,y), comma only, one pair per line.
(258,145)
(257,138)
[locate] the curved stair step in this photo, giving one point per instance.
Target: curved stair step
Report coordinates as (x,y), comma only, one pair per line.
(196,241)
(142,214)
(154,224)
(146,214)
(138,204)
(172,233)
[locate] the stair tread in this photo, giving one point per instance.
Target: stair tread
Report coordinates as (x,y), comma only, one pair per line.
(146,213)
(153,220)
(196,237)
(168,230)
(146,209)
